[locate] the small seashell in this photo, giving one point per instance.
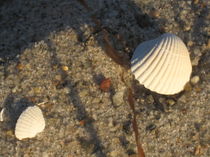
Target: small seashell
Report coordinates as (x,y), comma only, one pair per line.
(162,65)
(30,123)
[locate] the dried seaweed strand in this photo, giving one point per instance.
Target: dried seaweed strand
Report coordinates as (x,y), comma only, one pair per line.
(112,53)
(109,50)
(134,123)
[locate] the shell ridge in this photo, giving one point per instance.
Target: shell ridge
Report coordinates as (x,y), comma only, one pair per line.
(149,61)
(166,66)
(154,64)
(37,115)
(157,73)
(174,70)
(169,73)
(166,73)
(141,63)
(180,75)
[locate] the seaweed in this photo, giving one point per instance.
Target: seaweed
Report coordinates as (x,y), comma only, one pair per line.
(123,62)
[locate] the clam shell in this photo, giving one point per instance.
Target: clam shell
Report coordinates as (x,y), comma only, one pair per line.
(162,65)
(30,123)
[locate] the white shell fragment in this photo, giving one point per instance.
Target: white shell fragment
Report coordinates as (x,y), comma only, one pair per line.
(30,123)
(162,65)
(2,115)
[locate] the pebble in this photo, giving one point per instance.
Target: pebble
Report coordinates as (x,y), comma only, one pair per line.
(118,97)
(150,99)
(115,128)
(45,154)
(195,79)
(37,90)
(115,153)
(150,127)
(170,101)
(110,123)
(58,77)
(197,150)
(197,52)
(195,61)
(116,141)
(15,89)
(19,66)
(183,99)
(190,43)
(65,68)
(154,13)
(83,93)
(195,1)
(187,27)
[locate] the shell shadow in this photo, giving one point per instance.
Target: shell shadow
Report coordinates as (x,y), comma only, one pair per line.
(14,106)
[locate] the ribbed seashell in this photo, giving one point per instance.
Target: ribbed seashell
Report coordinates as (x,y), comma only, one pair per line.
(30,123)
(162,65)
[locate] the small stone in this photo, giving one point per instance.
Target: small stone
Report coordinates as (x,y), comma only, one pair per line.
(195,61)
(161,100)
(65,68)
(19,66)
(82,123)
(183,99)
(170,101)
(58,77)
(115,128)
(195,1)
(9,133)
(95,117)
(45,154)
(197,52)
(118,97)
(66,90)
(187,28)
(150,127)
(197,89)
(197,150)
(154,13)
(150,99)
(110,124)
(83,93)
(116,141)
(15,89)
(115,153)
(105,84)
(37,90)
(190,43)
(96,100)
(195,79)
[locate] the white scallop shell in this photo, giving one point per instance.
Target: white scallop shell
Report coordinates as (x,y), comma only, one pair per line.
(30,123)
(162,65)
